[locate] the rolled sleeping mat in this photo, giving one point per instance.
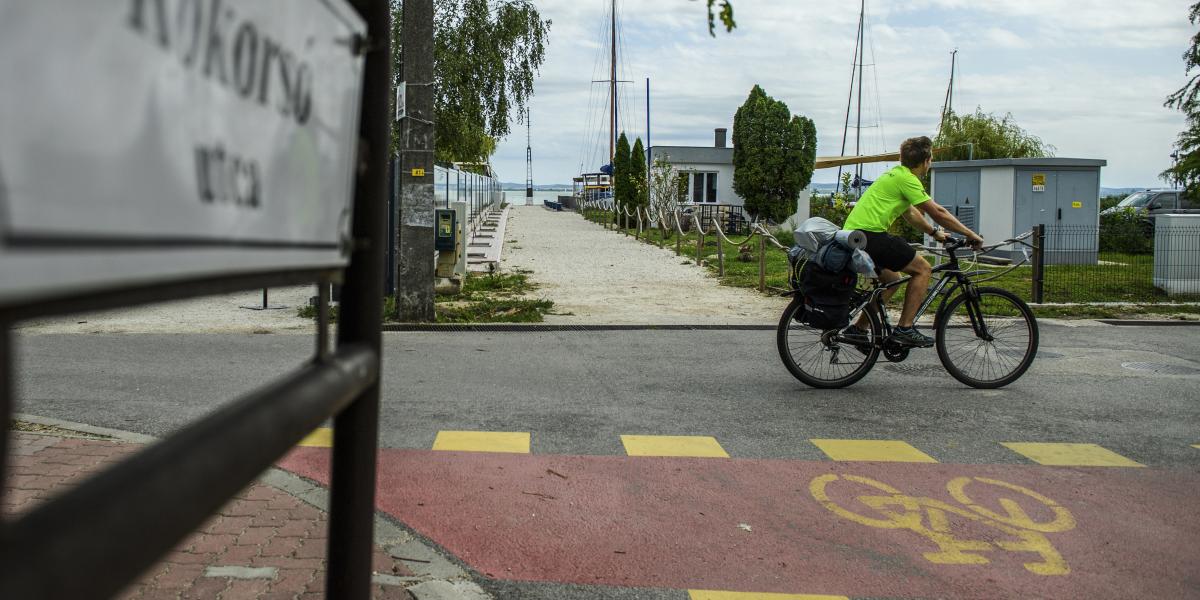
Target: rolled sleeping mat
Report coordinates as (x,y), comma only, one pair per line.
(852,239)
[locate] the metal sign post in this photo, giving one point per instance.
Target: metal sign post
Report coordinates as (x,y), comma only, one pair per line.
(266,304)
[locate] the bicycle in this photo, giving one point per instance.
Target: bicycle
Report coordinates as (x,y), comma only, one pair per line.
(986,337)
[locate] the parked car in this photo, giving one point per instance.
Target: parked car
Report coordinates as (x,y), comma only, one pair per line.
(1151,203)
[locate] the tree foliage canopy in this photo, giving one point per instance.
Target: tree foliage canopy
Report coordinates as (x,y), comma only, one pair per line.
(1188,96)
(773,155)
(992,137)
(663,189)
(486,56)
(637,174)
(623,192)
(1186,170)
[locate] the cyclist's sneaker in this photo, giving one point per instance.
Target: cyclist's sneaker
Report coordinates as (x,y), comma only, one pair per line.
(909,336)
(859,338)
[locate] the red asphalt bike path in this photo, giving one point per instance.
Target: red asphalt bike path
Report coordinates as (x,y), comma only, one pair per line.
(854,529)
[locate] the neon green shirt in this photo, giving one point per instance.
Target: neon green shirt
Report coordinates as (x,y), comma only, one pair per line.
(886,200)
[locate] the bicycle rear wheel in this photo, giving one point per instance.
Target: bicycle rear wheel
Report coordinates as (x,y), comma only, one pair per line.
(817,358)
(988,341)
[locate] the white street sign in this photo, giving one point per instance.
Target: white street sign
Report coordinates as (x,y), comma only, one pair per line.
(150,140)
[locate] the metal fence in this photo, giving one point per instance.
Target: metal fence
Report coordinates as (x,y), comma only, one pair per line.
(453,185)
(1117,263)
(480,192)
(732,218)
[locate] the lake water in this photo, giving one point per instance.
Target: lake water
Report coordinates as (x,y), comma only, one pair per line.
(517,197)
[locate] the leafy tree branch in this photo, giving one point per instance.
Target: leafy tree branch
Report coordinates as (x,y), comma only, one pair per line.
(982,135)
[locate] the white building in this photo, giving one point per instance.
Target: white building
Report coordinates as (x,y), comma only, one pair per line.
(706,172)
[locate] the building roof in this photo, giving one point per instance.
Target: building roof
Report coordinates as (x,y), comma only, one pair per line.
(695,154)
(1047,163)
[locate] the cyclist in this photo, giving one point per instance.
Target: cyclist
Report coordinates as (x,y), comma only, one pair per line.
(897,193)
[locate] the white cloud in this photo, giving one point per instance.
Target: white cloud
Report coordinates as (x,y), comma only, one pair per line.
(1089,76)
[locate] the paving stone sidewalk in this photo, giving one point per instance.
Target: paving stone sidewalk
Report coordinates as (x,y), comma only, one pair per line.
(265,543)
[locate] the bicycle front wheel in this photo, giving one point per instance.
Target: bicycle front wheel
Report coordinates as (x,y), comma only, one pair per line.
(817,357)
(987,340)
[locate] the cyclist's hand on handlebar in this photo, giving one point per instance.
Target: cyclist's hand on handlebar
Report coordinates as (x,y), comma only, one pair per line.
(941,235)
(976,241)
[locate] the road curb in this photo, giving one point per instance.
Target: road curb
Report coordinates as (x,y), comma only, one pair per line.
(424,559)
(1149,323)
(541,327)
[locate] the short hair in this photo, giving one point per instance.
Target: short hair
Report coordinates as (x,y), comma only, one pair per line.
(915,151)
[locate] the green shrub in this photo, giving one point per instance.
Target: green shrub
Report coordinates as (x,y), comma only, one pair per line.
(1126,231)
(1108,202)
(836,213)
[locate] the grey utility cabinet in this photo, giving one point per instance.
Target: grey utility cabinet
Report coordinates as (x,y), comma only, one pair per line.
(1004,198)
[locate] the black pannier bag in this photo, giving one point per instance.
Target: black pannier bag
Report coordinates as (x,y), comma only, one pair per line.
(827,293)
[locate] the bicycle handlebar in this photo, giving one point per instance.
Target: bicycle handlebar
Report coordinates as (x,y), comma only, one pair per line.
(953,244)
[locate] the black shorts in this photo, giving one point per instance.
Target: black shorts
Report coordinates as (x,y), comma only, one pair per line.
(888,251)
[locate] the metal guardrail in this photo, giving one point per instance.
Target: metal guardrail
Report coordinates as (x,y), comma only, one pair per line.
(97,538)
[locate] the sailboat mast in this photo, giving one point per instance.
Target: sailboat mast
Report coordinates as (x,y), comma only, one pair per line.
(612,94)
(953,64)
(849,104)
(948,105)
(858,123)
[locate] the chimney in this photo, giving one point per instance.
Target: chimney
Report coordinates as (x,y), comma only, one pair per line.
(721,131)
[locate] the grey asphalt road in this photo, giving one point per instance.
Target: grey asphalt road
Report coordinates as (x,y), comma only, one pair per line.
(576,392)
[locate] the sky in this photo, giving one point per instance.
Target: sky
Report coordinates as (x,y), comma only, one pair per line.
(1087,76)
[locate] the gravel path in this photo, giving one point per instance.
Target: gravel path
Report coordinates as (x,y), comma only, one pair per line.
(598,276)
(603,277)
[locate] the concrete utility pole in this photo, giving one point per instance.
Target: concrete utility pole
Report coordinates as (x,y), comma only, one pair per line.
(414,265)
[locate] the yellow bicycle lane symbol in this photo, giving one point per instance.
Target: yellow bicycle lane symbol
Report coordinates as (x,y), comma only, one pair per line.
(932,518)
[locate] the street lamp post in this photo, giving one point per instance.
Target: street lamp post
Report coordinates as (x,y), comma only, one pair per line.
(1175,168)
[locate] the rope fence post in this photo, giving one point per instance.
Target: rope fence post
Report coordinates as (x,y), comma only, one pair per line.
(720,250)
(699,237)
(678,233)
(762,262)
(638,235)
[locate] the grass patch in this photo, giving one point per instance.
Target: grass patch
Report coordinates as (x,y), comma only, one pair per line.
(1117,277)
(494,311)
(484,298)
(493,298)
(1094,311)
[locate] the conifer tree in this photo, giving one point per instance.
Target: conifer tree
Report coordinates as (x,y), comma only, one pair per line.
(622,177)
(774,154)
(637,171)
